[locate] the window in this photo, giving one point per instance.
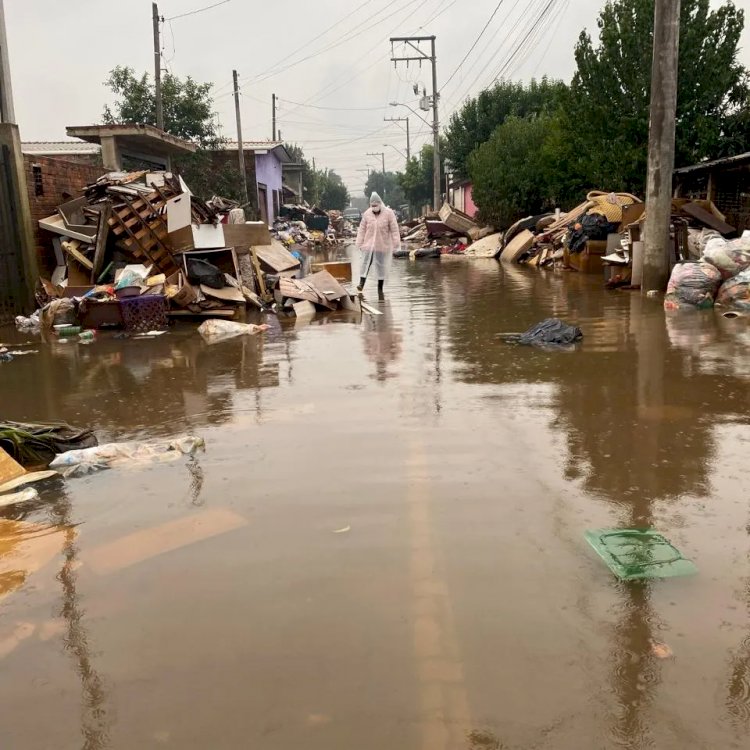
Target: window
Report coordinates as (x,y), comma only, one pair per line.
(36,173)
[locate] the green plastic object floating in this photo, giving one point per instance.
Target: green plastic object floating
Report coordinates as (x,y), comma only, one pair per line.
(633,554)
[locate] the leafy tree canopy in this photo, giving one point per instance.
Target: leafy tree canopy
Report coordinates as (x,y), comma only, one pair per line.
(474,123)
(389,189)
(188,106)
(608,102)
(509,171)
(333,192)
(416,180)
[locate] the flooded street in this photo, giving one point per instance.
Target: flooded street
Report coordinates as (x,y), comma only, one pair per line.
(382,546)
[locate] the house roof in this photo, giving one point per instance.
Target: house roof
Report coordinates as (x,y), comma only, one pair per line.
(60,148)
(262,147)
(145,138)
(729,161)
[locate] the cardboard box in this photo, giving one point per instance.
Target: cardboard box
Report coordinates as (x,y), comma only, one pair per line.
(210,237)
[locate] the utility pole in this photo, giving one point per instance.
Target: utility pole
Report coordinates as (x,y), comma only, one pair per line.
(381,154)
(273,117)
(7,111)
(240,147)
(421,56)
(408,137)
(157,69)
(661,138)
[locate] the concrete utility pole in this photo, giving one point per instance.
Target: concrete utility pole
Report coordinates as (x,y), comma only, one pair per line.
(157,69)
(408,137)
(381,154)
(240,147)
(7,111)
(413,41)
(661,140)
(273,117)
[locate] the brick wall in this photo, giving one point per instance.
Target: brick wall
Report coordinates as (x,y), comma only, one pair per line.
(47,179)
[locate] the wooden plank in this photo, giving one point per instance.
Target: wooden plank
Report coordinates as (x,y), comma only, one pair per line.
(326,286)
(260,279)
(707,218)
(368,309)
(9,468)
(101,241)
(71,248)
(276,257)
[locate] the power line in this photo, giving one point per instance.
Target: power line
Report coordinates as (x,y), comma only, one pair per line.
(542,17)
(199,10)
(471,49)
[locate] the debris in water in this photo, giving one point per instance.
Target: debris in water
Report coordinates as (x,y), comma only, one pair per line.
(342,531)
(661,650)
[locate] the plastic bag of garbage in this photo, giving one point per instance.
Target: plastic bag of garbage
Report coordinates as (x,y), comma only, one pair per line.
(551,331)
(32,323)
(729,256)
(692,284)
(735,292)
(87,460)
(214,331)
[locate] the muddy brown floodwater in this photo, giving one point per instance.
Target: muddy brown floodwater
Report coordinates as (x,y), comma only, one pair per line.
(383,545)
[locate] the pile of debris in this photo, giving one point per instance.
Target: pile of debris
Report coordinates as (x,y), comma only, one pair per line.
(138,248)
(720,276)
(449,232)
(302,225)
(604,235)
(578,239)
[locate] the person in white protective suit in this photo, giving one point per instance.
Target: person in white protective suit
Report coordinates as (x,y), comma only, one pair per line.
(377,238)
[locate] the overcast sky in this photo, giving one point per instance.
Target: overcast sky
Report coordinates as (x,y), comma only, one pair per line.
(330,56)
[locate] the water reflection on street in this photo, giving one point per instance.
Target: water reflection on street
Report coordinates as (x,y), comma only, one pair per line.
(383,545)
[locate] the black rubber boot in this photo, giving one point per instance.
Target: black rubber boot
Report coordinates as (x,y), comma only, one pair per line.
(362,280)
(381,293)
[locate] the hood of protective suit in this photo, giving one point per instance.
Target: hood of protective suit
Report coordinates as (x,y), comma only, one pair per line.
(375,198)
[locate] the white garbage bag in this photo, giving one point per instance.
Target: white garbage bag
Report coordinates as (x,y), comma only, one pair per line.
(214,331)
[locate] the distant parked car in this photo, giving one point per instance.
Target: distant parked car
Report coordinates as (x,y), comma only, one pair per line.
(353,214)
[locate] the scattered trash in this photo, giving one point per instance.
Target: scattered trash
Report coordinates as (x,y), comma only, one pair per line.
(342,531)
(633,554)
(551,332)
(28,478)
(214,331)
(109,455)
(693,284)
(734,292)
(14,498)
(661,650)
(37,444)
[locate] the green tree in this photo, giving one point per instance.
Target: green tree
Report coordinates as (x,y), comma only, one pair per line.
(333,192)
(608,102)
(509,171)
(389,189)
(309,178)
(188,114)
(416,181)
(475,122)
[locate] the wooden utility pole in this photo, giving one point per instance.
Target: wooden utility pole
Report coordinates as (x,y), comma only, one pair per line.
(240,147)
(408,137)
(157,69)
(273,117)
(381,154)
(661,139)
(421,56)
(7,112)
